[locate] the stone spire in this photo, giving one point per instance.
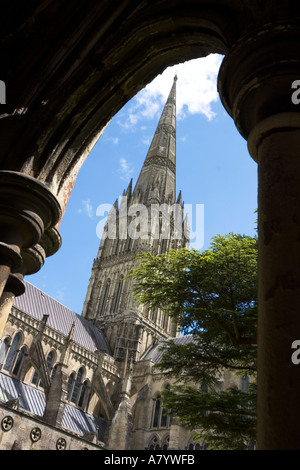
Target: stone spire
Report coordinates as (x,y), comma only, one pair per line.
(157,179)
(147,218)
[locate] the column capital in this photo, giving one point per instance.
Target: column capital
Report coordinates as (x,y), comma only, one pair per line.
(15,284)
(256,77)
(27,209)
(29,212)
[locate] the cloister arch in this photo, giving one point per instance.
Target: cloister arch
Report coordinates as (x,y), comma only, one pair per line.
(79,63)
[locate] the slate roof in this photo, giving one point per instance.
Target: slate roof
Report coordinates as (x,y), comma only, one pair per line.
(155,353)
(37,303)
(32,400)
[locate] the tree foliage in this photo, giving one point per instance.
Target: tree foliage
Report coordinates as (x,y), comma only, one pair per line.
(213,297)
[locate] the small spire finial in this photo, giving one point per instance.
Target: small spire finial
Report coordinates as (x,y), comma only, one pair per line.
(175,77)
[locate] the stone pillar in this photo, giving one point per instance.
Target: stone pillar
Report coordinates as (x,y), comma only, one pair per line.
(120,429)
(255,85)
(14,286)
(121,426)
(57,397)
(28,215)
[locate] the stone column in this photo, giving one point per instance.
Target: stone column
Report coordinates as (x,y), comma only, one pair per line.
(255,85)
(28,215)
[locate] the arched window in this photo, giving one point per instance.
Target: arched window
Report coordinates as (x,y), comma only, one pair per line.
(18,362)
(71,380)
(35,378)
(49,361)
(197,446)
(83,392)
(77,386)
(165,443)
(12,353)
(160,418)
(154,443)
(156,414)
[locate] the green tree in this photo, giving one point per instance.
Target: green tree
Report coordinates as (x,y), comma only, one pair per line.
(213,297)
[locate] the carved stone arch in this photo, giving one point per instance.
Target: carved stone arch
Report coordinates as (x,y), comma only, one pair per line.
(154,443)
(100,56)
(165,441)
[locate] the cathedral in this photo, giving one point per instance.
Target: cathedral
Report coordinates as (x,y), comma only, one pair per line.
(89,381)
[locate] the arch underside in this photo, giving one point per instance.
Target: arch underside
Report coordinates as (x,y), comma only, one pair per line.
(81,62)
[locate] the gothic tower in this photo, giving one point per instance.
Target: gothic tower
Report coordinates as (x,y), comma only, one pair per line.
(147,218)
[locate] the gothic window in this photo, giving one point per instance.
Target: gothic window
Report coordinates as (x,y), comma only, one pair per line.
(49,361)
(165,443)
(164,320)
(154,444)
(83,392)
(156,412)
(153,314)
(71,380)
(197,446)
(160,419)
(12,353)
(105,297)
(35,378)
(19,360)
(77,387)
(118,294)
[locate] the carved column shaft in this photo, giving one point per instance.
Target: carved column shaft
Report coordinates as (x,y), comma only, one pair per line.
(255,85)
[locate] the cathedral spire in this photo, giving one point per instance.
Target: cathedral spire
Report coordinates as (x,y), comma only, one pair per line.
(147,219)
(157,179)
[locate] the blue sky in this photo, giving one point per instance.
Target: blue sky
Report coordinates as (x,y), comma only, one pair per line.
(214,168)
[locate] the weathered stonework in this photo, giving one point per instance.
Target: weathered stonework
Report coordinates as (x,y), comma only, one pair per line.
(100,56)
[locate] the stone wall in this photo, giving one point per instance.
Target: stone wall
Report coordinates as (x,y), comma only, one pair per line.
(21,431)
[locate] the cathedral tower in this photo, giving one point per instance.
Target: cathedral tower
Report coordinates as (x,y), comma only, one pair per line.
(146,218)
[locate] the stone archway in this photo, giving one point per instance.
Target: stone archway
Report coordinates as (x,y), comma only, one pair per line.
(69,67)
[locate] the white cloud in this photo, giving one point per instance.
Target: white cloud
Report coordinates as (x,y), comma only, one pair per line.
(196,91)
(125,170)
(60,294)
(86,208)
